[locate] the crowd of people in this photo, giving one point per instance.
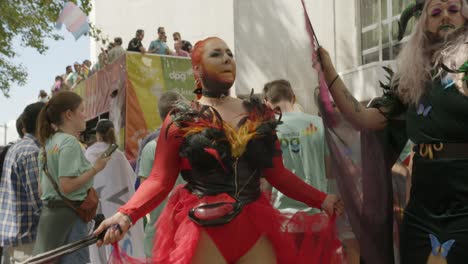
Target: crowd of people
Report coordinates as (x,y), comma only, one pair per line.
(73,76)
(50,139)
(182,48)
(230,180)
(82,71)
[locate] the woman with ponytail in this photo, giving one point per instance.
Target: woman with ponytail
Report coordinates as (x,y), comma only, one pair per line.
(65,175)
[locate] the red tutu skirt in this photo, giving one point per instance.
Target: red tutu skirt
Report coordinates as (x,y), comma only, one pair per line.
(298,238)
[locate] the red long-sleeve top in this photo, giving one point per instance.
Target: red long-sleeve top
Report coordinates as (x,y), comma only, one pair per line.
(167,166)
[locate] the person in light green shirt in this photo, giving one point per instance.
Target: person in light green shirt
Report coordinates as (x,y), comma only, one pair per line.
(302,142)
(146,164)
(146,160)
(64,158)
(59,122)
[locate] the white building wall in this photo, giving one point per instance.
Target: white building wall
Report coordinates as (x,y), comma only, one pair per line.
(272,43)
(268,36)
(194,19)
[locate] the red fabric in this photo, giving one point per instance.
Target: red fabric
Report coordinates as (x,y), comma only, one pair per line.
(407,160)
(292,186)
(177,235)
(162,178)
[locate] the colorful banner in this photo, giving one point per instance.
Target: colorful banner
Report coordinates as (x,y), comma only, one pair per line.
(148,77)
(97,89)
(135,81)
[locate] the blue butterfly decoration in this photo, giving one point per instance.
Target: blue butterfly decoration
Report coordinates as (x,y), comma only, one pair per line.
(447,82)
(424,111)
(444,248)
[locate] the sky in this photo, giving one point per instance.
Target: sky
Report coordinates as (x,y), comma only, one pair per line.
(42,70)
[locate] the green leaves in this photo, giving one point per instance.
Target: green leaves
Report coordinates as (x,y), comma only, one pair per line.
(31,22)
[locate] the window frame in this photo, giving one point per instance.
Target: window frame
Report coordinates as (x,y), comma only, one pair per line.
(379,25)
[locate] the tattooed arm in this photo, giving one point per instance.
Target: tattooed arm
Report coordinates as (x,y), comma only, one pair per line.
(358,115)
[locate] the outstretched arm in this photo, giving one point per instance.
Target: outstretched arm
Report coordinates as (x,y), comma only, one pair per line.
(292,186)
(162,178)
(153,191)
(359,116)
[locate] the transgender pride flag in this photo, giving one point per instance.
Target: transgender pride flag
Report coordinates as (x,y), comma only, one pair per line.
(74,19)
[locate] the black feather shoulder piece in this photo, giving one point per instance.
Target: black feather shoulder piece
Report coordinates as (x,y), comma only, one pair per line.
(205,144)
(389,104)
(262,148)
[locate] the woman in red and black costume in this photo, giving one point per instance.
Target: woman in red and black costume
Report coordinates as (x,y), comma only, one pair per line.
(223,146)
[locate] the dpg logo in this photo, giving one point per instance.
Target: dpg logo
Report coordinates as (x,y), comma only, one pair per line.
(294,144)
(178,76)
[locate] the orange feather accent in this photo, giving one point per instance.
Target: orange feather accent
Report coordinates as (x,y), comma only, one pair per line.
(240,138)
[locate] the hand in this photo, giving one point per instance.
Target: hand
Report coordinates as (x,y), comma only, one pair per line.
(327,63)
(333,205)
(101,163)
(110,226)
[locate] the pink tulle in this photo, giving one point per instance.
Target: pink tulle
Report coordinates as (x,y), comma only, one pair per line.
(118,256)
(324,96)
(298,238)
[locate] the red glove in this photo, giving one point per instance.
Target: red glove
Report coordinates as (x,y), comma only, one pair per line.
(163,175)
(292,186)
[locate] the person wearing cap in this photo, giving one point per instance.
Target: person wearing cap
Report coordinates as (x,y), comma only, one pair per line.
(115,184)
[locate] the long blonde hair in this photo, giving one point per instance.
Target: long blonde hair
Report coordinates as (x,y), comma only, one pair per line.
(420,56)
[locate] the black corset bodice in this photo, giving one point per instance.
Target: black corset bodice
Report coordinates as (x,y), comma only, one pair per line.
(221,159)
(244,187)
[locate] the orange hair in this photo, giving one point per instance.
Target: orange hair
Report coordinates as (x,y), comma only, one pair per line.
(197,53)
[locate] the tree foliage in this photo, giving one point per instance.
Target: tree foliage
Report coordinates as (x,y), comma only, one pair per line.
(31,23)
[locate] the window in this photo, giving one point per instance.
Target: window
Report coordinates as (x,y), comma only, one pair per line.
(379,29)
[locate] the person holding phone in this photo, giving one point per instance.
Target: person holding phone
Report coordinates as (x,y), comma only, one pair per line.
(66,177)
(116,179)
